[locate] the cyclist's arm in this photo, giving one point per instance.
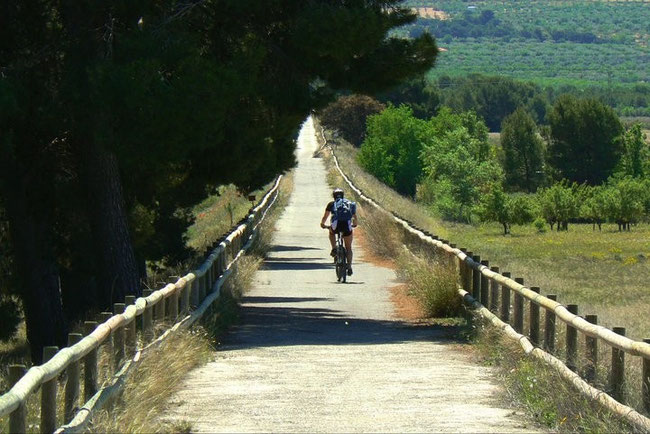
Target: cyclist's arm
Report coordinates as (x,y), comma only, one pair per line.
(324,219)
(354,220)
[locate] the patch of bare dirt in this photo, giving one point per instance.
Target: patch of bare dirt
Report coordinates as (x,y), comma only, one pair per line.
(431,13)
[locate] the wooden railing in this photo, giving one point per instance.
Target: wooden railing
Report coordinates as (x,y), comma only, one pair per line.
(495,296)
(123,335)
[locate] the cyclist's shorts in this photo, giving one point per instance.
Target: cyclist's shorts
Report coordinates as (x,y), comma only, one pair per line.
(344,226)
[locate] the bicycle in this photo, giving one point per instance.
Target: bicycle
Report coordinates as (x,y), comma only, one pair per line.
(341,257)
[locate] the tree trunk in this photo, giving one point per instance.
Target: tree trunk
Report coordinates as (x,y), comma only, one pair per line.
(36,270)
(118,269)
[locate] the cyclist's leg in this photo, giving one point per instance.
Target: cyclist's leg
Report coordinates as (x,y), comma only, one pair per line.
(332,236)
(347,239)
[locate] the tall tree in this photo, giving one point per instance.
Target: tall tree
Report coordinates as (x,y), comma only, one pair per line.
(523,151)
(116,117)
(585,143)
(32,159)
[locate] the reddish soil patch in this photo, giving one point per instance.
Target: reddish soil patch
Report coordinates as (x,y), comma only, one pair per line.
(406,307)
(367,253)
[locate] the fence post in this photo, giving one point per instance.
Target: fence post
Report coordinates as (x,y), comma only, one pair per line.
(534,319)
(468,271)
(185,298)
(159,311)
(203,279)
(108,343)
(645,383)
(130,330)
(549,327)
(494,292)
(173,306)
(71,397)
(17,419)
(452,257)
(147,319)
(90,364)
(591,346)
(617,378)
(485,285)
(571,340)
(461,270)
(519,308)
(48,396)
(118,338)
(505,300)
(476,279)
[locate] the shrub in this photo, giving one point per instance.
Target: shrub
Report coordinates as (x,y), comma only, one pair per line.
(432,283)
(540,225)
(348,115)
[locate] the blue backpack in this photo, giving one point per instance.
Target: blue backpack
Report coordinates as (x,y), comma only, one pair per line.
(343,209)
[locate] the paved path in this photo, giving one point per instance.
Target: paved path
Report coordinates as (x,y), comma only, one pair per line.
(315,355)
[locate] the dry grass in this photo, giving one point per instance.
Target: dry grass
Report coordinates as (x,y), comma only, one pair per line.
(536,387)
(433,283)
(158,376)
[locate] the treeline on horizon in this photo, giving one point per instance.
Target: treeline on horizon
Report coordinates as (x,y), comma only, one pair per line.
(578,164)
(495,97)
(116,118)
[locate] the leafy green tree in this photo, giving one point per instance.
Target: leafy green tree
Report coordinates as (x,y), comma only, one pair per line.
(458,165)
(392,148)
(348,115)
(594,207)
(523,151)
(635,160)
(585,139)
(422,96)
(625,202)
(558,204)
(506,209)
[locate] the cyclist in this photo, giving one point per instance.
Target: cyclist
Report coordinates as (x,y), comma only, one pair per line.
(344,218)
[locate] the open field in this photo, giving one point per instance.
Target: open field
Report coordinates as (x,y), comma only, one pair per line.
(580,43)
(605,273)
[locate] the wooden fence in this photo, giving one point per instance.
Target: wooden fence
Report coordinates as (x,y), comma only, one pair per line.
(123,335)
(496,295)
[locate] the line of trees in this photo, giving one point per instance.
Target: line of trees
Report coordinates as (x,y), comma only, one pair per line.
(117,117)
(582,166)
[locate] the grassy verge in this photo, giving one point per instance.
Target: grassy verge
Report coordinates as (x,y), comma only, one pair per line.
(536,387)
(539,389)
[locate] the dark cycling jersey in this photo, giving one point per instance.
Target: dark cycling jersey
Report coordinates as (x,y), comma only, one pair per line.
(345,226)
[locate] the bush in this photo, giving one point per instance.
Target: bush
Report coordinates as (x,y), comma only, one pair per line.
(348,115)
(432,283)
(540,225)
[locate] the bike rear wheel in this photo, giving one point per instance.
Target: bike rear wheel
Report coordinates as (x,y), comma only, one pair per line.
(341,264)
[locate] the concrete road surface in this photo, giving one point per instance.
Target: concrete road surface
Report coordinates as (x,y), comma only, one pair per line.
(315,355)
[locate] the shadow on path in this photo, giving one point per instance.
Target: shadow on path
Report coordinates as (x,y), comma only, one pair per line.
(280,248)
(264,324)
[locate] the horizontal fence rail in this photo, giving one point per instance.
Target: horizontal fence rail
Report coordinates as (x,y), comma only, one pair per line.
(125,334)
(479,288)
